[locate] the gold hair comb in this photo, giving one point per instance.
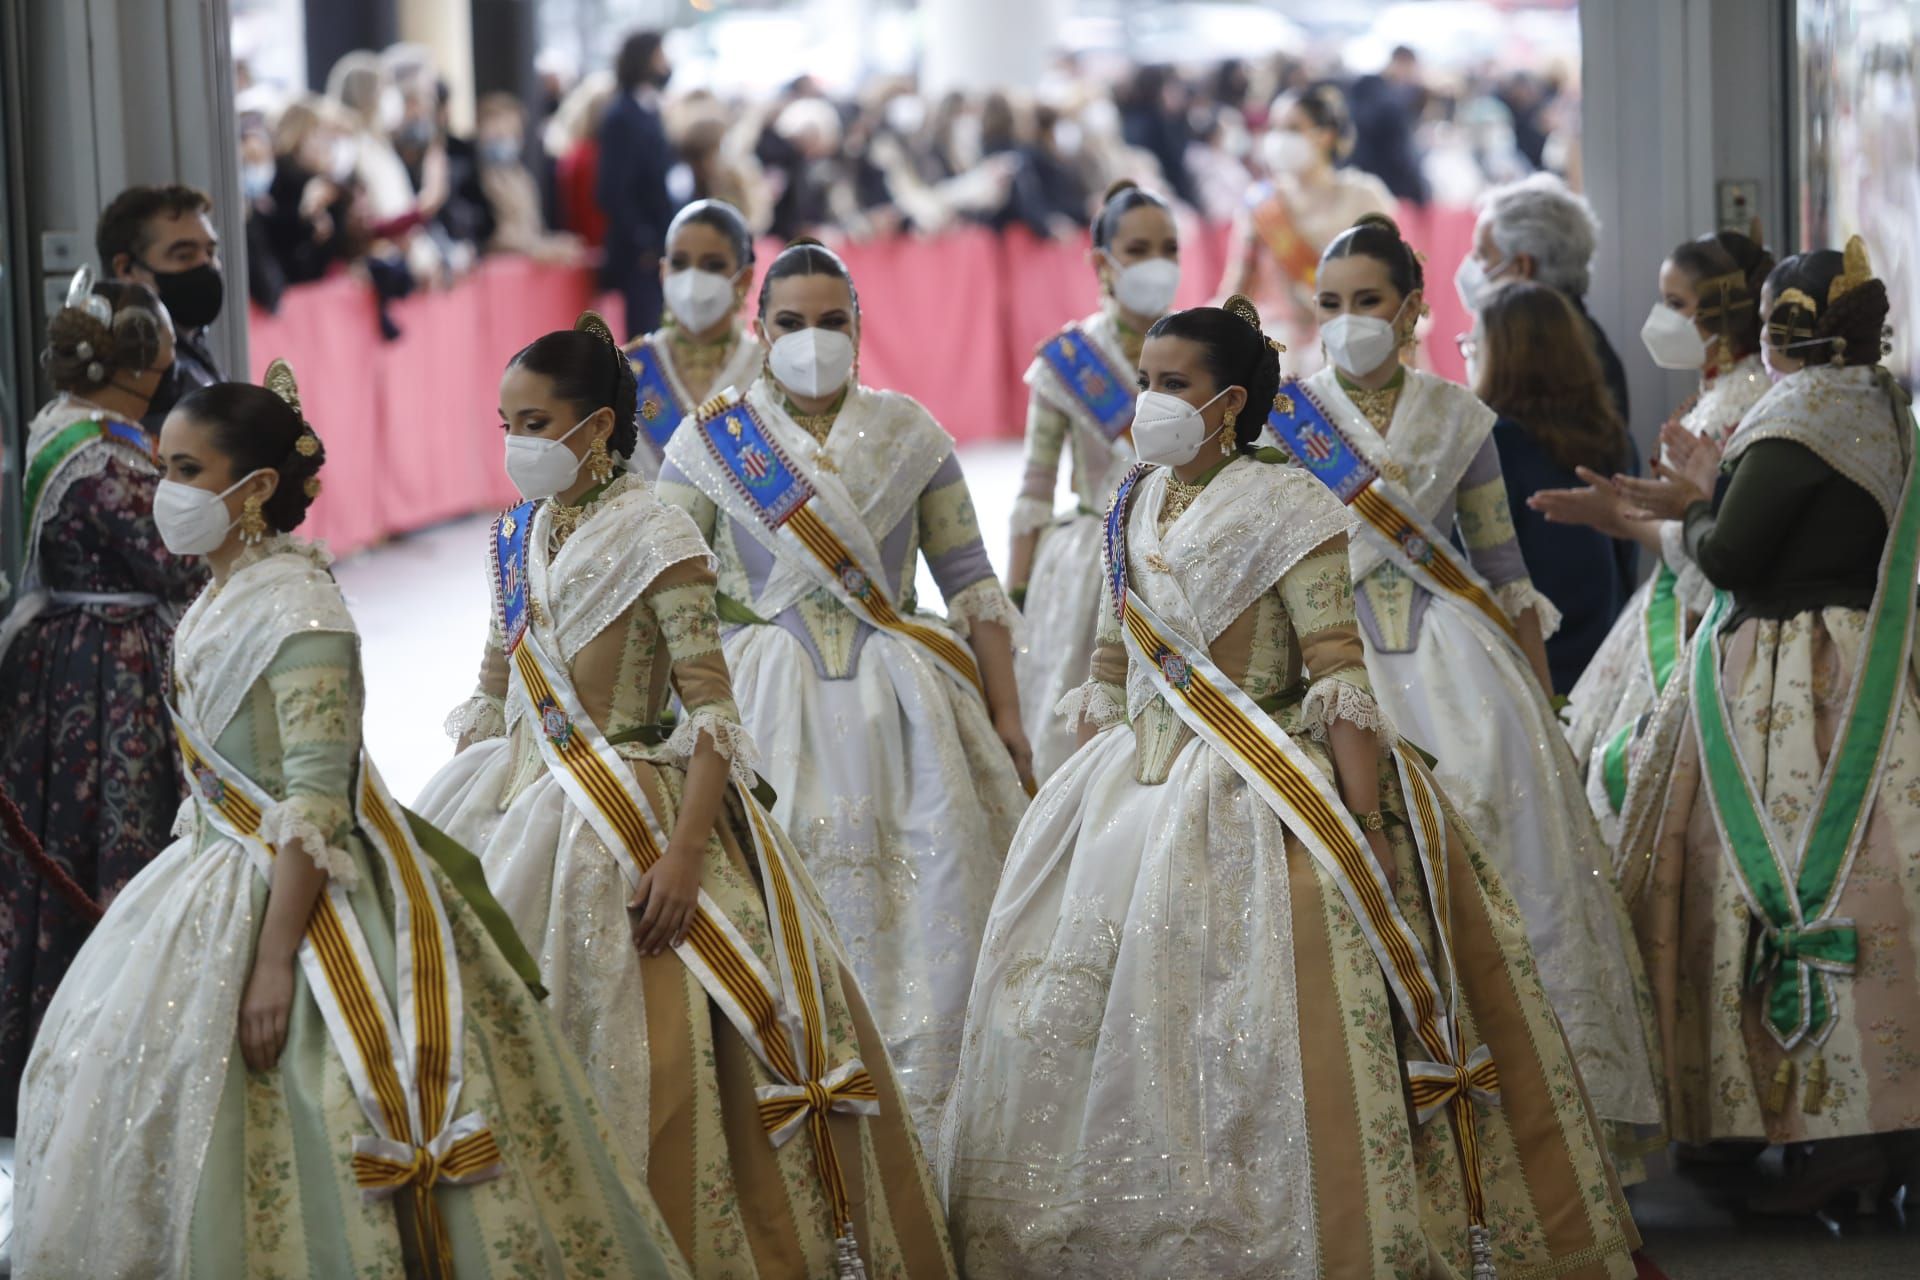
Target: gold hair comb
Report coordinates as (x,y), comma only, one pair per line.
(594,323)
(279,380)
(1856,272)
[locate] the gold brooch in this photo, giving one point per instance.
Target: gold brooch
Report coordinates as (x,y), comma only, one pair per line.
(307,445)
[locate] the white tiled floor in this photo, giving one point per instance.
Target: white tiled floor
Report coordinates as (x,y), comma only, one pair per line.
(421,603)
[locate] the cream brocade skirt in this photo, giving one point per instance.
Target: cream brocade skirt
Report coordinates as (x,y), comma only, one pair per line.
(1064,595)
(1181,1057)
(1790,683)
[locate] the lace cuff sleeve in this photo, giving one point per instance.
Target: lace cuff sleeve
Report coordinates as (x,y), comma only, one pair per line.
(985,601)
(1520,595)
(1345,695)
(1030,515)
(1095,703)
(720,722)
(477,719)
(321,824)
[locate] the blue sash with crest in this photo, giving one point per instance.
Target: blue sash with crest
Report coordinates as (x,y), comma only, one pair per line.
(755,464)
(1300,424)
(660,411)
(1104,394)
(508,549)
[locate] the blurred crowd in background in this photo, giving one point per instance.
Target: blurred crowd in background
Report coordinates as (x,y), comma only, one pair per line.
(368,176)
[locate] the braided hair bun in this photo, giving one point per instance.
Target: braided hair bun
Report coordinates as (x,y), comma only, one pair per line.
(1378,237)
(590,372)
(262,429)
(83,352)
(1828,308)
(1236,354)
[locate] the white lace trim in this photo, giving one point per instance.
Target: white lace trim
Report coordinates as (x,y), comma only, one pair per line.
(986,601)
(186,818)
(1333,699)
(1520,595)
(291,819)
(477,719)
(1030,515)
(1094,703)
(730,739)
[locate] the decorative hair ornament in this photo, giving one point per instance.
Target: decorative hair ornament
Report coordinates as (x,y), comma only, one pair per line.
(1856,271)
(592,322)
(308,444)
(279,380)
(1722,294)
(1796,298)
(81,297)
(312,487)
(1242,306)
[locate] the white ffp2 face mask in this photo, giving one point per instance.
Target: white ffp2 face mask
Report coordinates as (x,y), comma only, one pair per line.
(699,300)
(1357,345)
(193,521)
(1672,340)
(1169,431)
(1475,283)
(542,466)
(1285,151)
(1146,288)
(812,362)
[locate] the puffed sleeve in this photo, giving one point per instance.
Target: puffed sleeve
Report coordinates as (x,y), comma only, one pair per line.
(1102,700)
(673,486)
(317,703)
(1486,526)
(1318,594)
(682,600)
(1046,436)
(484,715)
(957,555)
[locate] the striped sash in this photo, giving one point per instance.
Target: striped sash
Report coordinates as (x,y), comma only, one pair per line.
(405,1065)
(1419,550)
(782,502)
(1300,794)
(780,1015)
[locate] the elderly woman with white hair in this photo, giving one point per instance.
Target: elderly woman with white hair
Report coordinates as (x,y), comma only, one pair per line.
(1539,229)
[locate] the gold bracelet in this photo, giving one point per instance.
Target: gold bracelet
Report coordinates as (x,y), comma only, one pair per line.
(1372,821)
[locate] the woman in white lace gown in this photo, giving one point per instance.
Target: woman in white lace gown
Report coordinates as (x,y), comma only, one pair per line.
(690,960)
(704,346)
(893,738)
(303,1041)
(1183,1056)
(1455,650)
(1713,282)
(1081,383)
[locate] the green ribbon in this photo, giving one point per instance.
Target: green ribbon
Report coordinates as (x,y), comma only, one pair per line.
(1664,626)
(464,870)
(47,459)
(1801,948)
(735,614)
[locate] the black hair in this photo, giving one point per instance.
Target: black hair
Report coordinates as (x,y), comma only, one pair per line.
(633,66)
(591,374)
(806,258)
(722,217)
(122,227)
(1325,107)
(1236,354)
(1122,198)
(1741,266)
(255,429)
(1378,237)
(1847,330)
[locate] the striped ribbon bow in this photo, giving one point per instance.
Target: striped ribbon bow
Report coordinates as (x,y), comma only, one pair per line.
(1435,1084)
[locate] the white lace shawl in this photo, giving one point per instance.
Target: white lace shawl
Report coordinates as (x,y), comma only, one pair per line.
(1438,427)
(1252,524)
(1848,417)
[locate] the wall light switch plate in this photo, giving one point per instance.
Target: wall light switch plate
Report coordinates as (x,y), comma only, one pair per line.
(1737,201)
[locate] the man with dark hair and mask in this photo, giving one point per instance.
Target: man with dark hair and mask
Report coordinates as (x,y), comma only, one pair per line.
(635,156)
(163,238)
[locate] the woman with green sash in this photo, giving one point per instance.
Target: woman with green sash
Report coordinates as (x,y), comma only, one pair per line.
(298,1044)
(86,752)
(1773,810)
(1707,318)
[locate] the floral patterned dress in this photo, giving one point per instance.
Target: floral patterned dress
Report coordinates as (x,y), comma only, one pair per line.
(86,750)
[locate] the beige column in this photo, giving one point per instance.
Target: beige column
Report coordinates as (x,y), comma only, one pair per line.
(445,28)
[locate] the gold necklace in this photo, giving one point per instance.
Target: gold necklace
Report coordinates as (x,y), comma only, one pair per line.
(1180,496)
(1378,406)
(699,362)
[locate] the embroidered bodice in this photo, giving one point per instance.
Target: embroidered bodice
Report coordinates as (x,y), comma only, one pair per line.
(899,468)
(1280,623)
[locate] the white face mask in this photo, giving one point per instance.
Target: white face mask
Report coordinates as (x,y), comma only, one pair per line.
(193,521)
(1357,345)
(1474,282)
(1146,288)
(812,362)
(1672,340)
(1168,430)
(542,466)
(1285,151)
(699,299)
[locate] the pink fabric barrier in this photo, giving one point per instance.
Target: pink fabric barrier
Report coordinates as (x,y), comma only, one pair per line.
(411,426)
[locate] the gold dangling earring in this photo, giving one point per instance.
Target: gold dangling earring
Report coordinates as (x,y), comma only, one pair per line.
(253,525)
(1227,437)
(599,461)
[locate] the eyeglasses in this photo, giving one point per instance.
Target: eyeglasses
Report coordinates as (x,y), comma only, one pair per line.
(1468,344)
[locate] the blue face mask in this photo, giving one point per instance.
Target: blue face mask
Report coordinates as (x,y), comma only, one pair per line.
(499,152)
